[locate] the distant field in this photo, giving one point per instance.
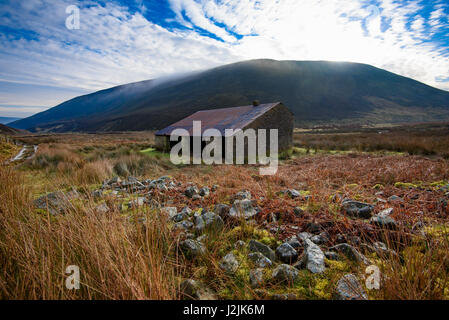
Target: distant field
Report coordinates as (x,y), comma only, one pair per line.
(130,251)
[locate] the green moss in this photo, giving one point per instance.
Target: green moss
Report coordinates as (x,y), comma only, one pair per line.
(405,185)
(378,186)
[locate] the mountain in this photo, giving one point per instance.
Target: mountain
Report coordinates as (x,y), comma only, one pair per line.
(6,120)
(10,131)
(316,91)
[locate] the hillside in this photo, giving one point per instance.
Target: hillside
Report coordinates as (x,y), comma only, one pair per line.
(6,120)
(316,91)
(9,131)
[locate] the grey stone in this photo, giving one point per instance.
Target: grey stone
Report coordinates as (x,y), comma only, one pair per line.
(170,212)
(384,222)
(294,242)
(285,273)
(213,221)
(136,203)
(330,255)
(192,248)
(357,209)
(204,192)
(222,210)
(303,236)
(239,244)
(183,225)
(349,288)
(192,289)
(243,195)
(322,238)
(286,253)
(313,258)
(191,191)
(256,246)
(256,278)
(102,208)
(229,264)
(260,260)
(292,193)
(350,252)
(242,209)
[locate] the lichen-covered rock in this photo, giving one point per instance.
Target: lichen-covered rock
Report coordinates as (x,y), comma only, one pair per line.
(384,222)
(285,273)
(350,252)
(256,278)
(303,236)
(357,209)
(256,246)
(349,288)
(286,253)
(229,264)
(169,212)
(243,195)
(204,192)
(183,225)
(191,191)
(192,248)
(242,209)
(313,258)
(222,210)
(260,260)
(321,238)
(330,255)
(213,221)
(195,290)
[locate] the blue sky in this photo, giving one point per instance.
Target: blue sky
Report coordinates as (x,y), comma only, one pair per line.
(43,63)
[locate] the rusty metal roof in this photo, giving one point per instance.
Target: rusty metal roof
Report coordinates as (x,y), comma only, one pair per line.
(220,119)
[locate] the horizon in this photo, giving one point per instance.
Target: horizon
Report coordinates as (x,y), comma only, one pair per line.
(120,42)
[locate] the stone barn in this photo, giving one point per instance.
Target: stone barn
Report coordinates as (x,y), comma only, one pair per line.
(256,116)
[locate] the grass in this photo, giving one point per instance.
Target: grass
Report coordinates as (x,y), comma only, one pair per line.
(121,257)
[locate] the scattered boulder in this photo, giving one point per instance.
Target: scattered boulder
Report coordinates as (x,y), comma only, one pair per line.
(183,225)
(303,236)
(313,258)
(229,263)
(350,252)
(140,201)
(322,238)
(213,221)
(292,193)
(384,222)
(357,209)
(97,194)
(285,273)
(222,210)
(256,246)
(294,242)
(170,212)
(102,208)
(243,195)
(286,253)
(55,202)
(256,278)
(191,191)
(330,255)
(349,288)
(260,260)
(204,192)
(192,289)
(192,248)
(242,209)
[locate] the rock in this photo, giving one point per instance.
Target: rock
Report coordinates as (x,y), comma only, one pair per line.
(256,278)
(97,194)
(192,289)
(386,212)
(186,211)
(196,197)
(222,210)
(292,193)
(191,191)
(239,244)
(114,180)
(303,236)
(170,212)
(394,198)
(200,225)
(313,227)
(294,242)
(55,202)
(384,222)
(192,248)
(137,202)
(179,217)
(285,273)
(229,264)
(213,221)
(297,211)
(102,208)
(283,296)
(204,192)
(331,255)
(260,260)
(349,288)
(256,246)
(322,238)
(357,209)
(350,252)
(286,253)
(184,225)
(313,258)
(242,209)
(243,195)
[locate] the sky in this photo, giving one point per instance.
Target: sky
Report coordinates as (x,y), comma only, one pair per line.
(46,57)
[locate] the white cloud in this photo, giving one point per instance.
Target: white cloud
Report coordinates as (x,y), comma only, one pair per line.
(115,47)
